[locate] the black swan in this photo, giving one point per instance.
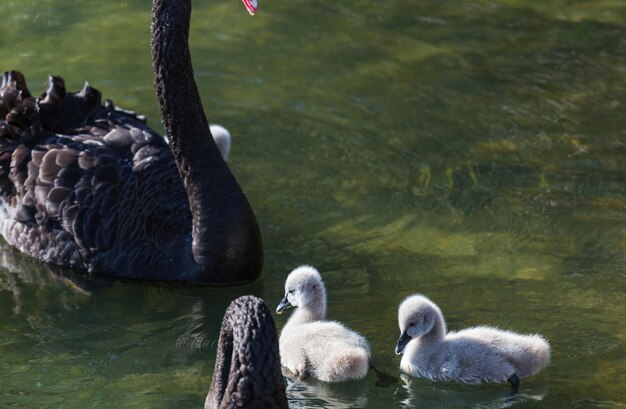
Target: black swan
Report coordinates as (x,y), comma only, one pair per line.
(247,367)
(87,185)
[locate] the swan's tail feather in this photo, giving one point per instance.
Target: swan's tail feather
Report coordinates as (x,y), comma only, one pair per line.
(19,120)
(14,80)
(535,356)
(90,95)
(541,355)
(345,365)
(65,112)
(25,119)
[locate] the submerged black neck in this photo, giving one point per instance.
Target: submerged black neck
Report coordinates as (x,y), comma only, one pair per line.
(226,241)
(247,367)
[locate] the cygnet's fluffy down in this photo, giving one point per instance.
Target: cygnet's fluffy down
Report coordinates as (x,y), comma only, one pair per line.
(311,346)
(473,355)
(222,139)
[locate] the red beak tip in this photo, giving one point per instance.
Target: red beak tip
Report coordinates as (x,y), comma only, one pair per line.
(251,6)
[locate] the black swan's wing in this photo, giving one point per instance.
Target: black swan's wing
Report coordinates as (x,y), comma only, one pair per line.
(85,184)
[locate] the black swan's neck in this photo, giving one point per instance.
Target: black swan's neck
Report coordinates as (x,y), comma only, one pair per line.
(247,367)
(226,242)
(181,108)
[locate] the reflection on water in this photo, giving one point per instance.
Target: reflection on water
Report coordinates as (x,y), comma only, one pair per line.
(315,394)
(471,151)
(115,342)
(422,393)
(21,276)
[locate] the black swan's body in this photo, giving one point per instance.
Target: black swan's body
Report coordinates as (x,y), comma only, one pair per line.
(247,367)
(87,185)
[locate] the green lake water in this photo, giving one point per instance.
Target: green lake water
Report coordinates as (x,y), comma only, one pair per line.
(473,151)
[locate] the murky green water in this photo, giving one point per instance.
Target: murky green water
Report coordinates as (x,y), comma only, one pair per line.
(472,151)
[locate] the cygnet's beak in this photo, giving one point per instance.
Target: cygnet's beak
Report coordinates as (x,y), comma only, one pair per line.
(251,6)
(284,304)
(402,341)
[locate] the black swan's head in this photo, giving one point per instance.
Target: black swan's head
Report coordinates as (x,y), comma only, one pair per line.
(247,368)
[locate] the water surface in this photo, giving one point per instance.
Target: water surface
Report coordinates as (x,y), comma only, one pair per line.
(471,151)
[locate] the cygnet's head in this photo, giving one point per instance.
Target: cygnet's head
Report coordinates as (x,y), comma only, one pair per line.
(303,285)
(221,136)
(416,317)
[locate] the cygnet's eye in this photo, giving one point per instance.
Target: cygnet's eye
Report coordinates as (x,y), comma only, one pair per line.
(291,291)
(412,324)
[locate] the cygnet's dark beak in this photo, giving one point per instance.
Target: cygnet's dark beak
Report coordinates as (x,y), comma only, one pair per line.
(402,341)
(284,304)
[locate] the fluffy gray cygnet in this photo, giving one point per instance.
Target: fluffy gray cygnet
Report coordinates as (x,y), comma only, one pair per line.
(222,139)
(311,346)
(472,355)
